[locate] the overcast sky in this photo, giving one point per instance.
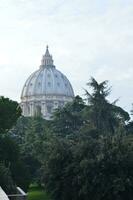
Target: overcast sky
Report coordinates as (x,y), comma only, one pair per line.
(86,38)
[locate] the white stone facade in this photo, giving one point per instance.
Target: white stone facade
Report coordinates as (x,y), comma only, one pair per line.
(45,90)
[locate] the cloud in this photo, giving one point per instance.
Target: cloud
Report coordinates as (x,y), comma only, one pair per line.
(87,38)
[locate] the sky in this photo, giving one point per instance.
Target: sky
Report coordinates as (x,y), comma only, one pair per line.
(86,38)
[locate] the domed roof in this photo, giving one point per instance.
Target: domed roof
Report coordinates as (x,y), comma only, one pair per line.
(47,81)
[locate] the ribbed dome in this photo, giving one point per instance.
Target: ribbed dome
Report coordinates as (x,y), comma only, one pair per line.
(45,90)
(47,81)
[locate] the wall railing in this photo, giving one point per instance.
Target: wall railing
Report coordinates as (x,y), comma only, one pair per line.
(21,195)
(3,195)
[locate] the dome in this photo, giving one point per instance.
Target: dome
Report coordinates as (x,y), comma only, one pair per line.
(47,81)
(46,84)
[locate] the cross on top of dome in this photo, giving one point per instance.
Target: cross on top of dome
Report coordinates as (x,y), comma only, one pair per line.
(47,58)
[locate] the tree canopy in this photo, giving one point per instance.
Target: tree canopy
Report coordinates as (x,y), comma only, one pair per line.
(84,152)
(9,113)
(10,156)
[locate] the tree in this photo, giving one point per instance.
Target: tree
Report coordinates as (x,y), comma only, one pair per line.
(68,119)
(9,151)
(53,171)
(101,114)
(96,163)
(6,181)
(129,128)
(9,113)
(88,168)
(30,133)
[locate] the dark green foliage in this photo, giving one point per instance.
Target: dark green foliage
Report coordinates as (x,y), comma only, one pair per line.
(21,174)
(9,113)
(129,128)
(9,150)
(30,133)
(89,156)
(68,120)
(18,131)
(14,164)
(89,168)
(84,152)
(57,157)
(6,181)
(106,117)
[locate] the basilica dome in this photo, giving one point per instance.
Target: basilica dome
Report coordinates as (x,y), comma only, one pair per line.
(46,89)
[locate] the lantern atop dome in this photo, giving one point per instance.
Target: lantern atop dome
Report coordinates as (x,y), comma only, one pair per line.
(47,59)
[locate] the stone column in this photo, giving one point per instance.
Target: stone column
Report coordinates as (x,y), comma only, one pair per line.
(56,104)
(43,108)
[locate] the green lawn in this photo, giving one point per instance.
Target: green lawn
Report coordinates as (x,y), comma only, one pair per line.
(36,193)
